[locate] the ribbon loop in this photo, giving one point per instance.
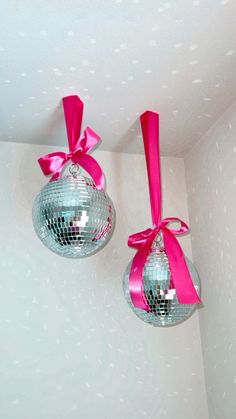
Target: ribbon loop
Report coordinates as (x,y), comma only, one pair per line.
(79,145)
(180,278)
(181,230)
(138,239)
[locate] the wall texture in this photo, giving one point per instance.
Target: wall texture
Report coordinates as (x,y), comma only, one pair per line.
(70,346)
(211,181)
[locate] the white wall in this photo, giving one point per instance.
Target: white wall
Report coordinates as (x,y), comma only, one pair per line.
(211,180)
(71,347)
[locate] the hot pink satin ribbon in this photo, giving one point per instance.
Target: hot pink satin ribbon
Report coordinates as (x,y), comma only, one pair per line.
(79,145)
(180,278)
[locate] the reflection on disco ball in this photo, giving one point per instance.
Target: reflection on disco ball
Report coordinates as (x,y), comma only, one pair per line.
(72,217)
(162,300)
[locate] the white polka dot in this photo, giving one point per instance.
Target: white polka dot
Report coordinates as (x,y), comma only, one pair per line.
(153,43)
(193,47)
(179,45)
(230,52)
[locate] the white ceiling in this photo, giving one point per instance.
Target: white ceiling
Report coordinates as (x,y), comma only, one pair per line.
(121,58)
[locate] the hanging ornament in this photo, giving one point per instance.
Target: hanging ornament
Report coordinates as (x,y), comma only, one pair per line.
(160,285)
(72,215)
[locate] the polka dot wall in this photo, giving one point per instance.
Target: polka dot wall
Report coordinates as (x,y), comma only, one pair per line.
(121,57)
(211,180)
(70,345)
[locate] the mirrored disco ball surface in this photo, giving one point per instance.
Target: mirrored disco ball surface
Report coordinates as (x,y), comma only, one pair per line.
(72,217)
(165,309)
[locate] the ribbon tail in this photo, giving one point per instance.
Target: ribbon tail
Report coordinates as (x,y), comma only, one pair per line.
(150,129)
(73,112)
(55,175)
(91,166)
(136,276)
(182,281)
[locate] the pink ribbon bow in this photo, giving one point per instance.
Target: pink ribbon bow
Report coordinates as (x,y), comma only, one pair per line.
(180,278)
(79,145)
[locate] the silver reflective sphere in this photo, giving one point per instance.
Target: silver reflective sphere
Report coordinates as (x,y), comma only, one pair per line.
(165,309)
(72,217)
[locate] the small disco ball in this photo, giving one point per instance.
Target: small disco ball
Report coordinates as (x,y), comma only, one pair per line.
(162,300)
(72,217)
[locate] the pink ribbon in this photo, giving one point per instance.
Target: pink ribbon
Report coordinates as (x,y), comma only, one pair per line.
(79,145)
(180,278)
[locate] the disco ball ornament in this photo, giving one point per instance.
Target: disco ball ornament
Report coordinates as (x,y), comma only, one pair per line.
(72,217)
(162,300)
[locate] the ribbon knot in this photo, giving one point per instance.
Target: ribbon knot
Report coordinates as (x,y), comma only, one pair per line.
(69,156)
(79,145)
(180,278)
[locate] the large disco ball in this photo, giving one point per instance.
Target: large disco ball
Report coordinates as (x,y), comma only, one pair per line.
(162,300)
(72,217)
